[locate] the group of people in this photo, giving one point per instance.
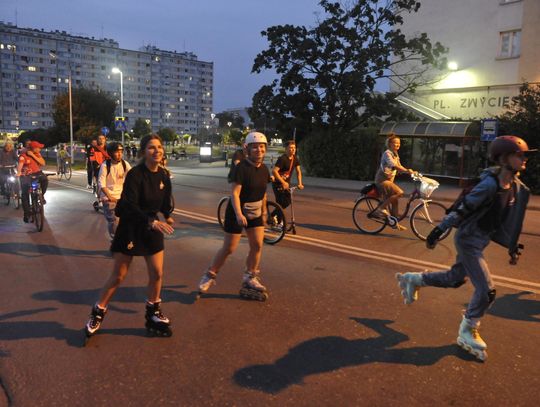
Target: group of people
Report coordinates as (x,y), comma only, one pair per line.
(493,210)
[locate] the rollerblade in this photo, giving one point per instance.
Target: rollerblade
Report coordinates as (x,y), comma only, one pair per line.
(207,280)
(409,283)
(469,339)
(95,320)
(252,288)
(157,323)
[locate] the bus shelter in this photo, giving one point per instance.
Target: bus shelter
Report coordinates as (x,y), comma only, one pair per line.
(446,149)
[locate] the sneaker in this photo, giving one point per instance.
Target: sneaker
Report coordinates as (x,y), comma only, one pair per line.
(26,219)
(397,226)
(207,280)
(251,280)
(89,187)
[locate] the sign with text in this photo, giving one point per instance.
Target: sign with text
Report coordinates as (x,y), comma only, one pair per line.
(490,129)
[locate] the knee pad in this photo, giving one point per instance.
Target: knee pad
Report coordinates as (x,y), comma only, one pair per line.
(491,296)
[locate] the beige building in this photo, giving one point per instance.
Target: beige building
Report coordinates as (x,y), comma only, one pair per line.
(494,47)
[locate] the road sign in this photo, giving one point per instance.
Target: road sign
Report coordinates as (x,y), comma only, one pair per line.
(120,123)
(105,131)
(490,129)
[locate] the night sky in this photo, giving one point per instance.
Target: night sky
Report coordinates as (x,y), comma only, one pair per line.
(224,32)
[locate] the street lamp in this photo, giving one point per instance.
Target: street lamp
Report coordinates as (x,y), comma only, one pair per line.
(116,70)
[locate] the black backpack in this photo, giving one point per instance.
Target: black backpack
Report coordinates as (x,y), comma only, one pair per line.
(108,164)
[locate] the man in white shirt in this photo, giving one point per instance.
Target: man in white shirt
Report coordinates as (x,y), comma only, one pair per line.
(112,174)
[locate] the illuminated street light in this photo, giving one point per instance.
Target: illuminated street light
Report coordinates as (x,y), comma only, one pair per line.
(452,66)
(116,70)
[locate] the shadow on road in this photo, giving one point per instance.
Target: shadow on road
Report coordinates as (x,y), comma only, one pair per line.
(38,250)
(123,294)
(325,354)
(512,306)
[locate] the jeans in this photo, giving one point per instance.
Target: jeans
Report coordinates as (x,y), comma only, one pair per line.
(26,181)
(112,219)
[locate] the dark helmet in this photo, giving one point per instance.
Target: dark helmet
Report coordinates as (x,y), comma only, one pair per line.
(507,145)
(113,146)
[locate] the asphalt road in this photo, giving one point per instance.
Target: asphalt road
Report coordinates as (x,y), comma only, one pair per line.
(333,332)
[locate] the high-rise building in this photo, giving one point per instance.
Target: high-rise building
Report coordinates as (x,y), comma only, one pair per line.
(493,49)
(165,88)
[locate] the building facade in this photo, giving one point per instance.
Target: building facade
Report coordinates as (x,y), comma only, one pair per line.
(493,49)
(165,88)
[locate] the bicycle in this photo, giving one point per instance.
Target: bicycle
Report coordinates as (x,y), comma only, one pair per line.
(64,170)
(424,217)
(275,224)
(35,196)
(12,187)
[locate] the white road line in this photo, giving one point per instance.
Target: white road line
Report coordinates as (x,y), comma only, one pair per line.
(513,283)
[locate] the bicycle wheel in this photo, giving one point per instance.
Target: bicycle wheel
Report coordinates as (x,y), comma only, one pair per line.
(8,193)
(39,214)
(363,219)
(222,206)
(275,224)
(425,217)
(67,171)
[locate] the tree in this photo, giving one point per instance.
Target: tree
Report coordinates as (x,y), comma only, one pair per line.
(141,128)
(236,120)
(523,120)
(167,134)
(327,74)
(92,109)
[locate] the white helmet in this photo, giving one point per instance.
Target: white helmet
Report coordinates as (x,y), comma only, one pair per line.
(255,137)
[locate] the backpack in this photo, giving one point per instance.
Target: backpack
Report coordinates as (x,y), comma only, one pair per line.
(461,199)
(108,164)
(370,190)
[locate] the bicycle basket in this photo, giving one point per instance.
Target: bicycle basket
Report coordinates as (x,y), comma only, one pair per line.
(427,186)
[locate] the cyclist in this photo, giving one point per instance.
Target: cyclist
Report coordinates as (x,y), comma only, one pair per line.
(61,156)
(282,172)
(112,174)
(146,191)
(30,163)
(8,158)
(246,209)
(493,210)
(389,166)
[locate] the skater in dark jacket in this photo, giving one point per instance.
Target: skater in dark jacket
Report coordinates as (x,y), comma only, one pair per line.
(493,210)
(146,191)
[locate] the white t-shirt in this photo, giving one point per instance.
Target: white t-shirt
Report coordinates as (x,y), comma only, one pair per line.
(114,182)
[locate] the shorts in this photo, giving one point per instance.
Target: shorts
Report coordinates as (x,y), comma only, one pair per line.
(231,225)
(389,188)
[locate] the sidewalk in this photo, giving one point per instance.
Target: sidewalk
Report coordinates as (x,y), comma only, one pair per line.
(217,169)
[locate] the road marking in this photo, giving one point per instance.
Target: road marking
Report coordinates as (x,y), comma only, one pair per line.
(513,283)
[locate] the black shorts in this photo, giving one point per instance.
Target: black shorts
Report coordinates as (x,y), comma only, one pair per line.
(231,225)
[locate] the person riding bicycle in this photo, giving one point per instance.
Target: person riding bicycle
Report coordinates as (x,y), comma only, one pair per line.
(61,155)
(282,172)
(30,163)
(111,178)
(246,209)
(389,166)
(8,158)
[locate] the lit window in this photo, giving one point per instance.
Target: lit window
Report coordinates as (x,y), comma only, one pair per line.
(510,44)
(32,68)
(35,123)
(32,86)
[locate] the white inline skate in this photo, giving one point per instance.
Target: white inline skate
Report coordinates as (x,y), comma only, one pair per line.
(469,339)
(252,289)
(207,280)
(409,284)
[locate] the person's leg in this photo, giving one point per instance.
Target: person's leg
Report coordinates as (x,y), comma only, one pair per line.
(255,239)
(89,173)
(154,264)
(120,270)
(230,243)
(25,197)
(110,217)
(44,182)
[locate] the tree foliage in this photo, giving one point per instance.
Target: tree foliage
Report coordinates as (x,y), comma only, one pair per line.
(92,109)
(167,134)
(327,74)
(236,120)
(141,128)
(523,120)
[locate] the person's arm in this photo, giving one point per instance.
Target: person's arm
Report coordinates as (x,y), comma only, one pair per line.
(39,159)
(235,197)
(278,177)
(20,166)
(299,176)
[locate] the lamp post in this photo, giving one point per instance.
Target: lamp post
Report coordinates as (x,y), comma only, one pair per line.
(116,70)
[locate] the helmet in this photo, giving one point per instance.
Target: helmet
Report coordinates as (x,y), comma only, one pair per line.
(507,145)
(255,137)
(113,146)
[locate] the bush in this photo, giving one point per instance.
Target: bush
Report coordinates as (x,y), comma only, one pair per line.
(350,156)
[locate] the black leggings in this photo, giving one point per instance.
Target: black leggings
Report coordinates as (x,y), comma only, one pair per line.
(26,181)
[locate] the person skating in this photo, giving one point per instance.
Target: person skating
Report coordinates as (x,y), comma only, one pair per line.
(493,210)
(246,209)
(146,191)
